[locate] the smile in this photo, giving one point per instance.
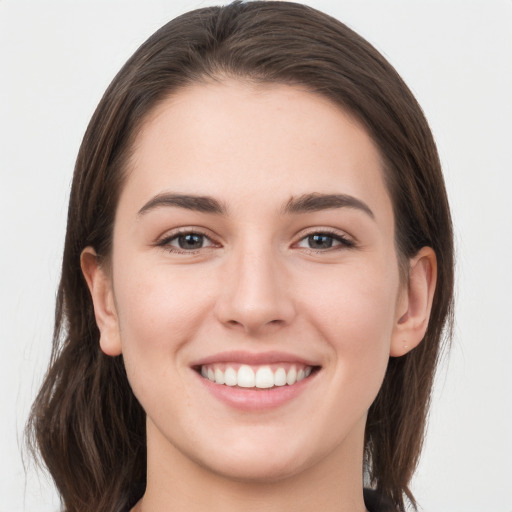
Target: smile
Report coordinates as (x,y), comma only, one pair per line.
(261,377)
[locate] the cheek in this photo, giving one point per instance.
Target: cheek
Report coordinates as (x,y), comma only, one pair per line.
(152,298)
(354,307)
(156,319)
(159,311)
(355,314)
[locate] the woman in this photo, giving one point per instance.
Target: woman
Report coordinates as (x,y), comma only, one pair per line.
(257,273)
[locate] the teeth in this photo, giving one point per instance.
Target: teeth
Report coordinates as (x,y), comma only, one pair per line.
(245,377)
(263,377)
(291,376)
(230,377)
(219,376)
(280,377)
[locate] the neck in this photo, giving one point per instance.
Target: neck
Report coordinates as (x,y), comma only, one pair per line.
(178,484)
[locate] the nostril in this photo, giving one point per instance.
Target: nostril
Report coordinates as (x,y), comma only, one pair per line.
(234,323)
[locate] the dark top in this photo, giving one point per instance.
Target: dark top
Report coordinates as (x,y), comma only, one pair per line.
(374,502)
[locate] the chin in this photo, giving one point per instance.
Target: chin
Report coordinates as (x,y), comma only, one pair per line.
(260,457)
(265,469)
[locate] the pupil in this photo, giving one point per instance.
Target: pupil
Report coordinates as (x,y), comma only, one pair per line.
(320,241)
(190,241)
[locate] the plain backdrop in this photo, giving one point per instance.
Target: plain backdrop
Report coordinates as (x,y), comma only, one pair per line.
(56,59)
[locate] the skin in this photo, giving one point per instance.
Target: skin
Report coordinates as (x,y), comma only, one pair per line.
(256,285)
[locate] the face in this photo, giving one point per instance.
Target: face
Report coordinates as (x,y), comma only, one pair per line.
(253,288)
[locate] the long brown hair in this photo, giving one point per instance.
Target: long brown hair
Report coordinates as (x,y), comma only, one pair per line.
(85,421)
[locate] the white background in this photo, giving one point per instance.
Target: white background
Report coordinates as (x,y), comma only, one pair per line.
(56,59)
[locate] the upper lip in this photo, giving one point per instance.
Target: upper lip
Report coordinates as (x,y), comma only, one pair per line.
(253,358)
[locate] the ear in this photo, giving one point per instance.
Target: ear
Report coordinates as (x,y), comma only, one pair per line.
(100,286)
(415,303)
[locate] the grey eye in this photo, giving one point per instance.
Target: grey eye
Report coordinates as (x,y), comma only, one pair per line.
(320,241)
(187,242)
(324,241)
(190,241)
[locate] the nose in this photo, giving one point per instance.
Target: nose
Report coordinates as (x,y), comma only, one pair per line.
(255,292)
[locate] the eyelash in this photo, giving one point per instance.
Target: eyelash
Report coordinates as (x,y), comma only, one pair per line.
(343,241)
(165,242)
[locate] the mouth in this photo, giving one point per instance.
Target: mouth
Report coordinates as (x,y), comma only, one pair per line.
(256,382)
(246,376)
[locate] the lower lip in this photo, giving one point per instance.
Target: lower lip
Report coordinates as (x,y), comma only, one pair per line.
(251,399)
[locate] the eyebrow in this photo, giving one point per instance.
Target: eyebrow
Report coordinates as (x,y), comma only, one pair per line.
(204,204)
(302,204)
(317,202)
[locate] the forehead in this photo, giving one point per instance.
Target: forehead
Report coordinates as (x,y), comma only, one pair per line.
(238,141)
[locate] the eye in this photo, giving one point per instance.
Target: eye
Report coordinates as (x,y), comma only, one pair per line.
(324,241)
(186,242)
